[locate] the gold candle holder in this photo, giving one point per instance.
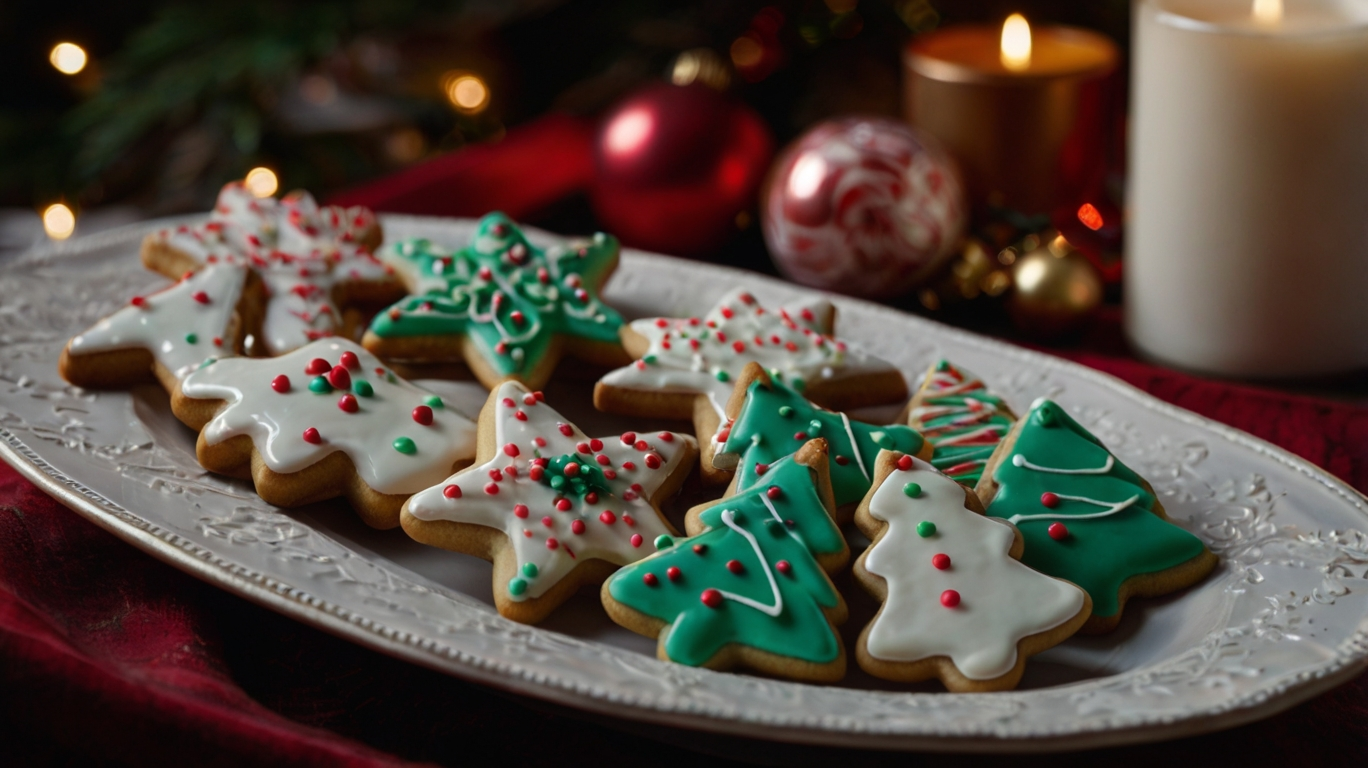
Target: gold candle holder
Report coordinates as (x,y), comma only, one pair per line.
(1027,123)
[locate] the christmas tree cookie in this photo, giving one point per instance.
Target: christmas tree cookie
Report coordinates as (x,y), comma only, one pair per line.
(324,421)
(552,508)
(314,261)
(509,309)
(747,590)
(957,603)
(166,335)
(1086,517)
(964,422)
(767,420)
(687,367)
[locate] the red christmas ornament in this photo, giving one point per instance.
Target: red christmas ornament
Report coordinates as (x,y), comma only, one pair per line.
(865,206)
(674,165)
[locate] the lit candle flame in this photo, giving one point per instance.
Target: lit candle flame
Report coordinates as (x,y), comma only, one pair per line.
(1268,11)
(1016,43)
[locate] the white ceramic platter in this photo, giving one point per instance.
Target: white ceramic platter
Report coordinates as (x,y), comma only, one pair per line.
(1282,619)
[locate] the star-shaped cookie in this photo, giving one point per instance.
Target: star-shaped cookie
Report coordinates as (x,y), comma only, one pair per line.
(552,508)
(314,261)
(323,421)
(506,307)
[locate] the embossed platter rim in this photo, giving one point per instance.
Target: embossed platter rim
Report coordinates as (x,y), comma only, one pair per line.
(1254,667)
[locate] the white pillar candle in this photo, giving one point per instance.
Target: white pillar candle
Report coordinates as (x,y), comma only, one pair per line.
(1247,240)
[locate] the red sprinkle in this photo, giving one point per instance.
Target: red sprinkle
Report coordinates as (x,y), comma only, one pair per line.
(673,573)
(591,497)
(650,580)
(311,436)
(348,403)
(711,598)
(1057,531)
(661,322)
(603,459)
(636,539)
(607,518)
(563,505)
(774,492)
(581,448)
(423,415)
(940,562)
(492,489)
(904,463)
(783,567)
(595,444)
(628,438)
(572,469)
(351,361)
(317,367)
(452,491)
(565,429)
(339,378)
(950,598)
(577,526)
(281,383)
(510,449)
(700,548)
(536,472)
(629,466)
(520,510)
(138,301)
(200,296)
(1050,500)
(552,543)
(508,402)
(548,522)
(739,346)
(666,436)
(761,469)
(652,461)
(735,566)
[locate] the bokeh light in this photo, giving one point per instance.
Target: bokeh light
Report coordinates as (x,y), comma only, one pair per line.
(466,91)
(1016,43)
(58,221)
(68,58)
(262,182)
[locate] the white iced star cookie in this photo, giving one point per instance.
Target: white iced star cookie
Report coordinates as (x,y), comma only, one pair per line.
(687,367)
(958,604)
(167,334)
(314,260)
(324,421)
(552,508)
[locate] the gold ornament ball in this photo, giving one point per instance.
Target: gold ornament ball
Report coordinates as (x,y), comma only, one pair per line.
(1057,290)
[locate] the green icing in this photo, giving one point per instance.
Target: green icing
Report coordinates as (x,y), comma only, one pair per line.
(775,421)
(1101,552)
(588,477)
(539,285)
(697,631)
(798,504)
(957,431)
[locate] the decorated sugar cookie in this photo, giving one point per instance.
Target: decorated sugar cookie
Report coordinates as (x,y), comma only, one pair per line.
(506,307)
(324,421)
(747,590)
(313,260)
(964,422)
(1087,517)
(165,335)
(957,604)
(553,508)
(688,367)
(767,420)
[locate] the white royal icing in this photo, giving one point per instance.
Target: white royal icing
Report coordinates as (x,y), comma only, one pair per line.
(303,252)
(689,353)
(620,527)
(182,326)
(1002,601)
(276,421)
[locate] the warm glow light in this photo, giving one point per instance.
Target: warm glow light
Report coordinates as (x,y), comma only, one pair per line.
(1268,11)
(58,221)
(1016,43)
(1090,216)
(746,52)
(807,175)
(466,92)
(629,131)
(68,58)
(262,182)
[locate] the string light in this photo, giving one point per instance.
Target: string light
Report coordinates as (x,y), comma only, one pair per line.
(262,182)
(466,91)
(68,58)
(58,221)
(1090,216)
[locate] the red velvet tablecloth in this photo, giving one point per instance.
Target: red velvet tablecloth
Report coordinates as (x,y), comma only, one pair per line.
(108,656)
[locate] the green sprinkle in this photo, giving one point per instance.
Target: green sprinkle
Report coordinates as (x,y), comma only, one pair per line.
(649,359)
(530,570)
(433,401)
(558,481)
(390,377)
(191,338)
(926,529)
(362,388)
(320,385)
(405,446)
(1045,416)
(815,427)
(786,411)
(516,587)
(943,365)
(914,490)
(722,375)
(663,541)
